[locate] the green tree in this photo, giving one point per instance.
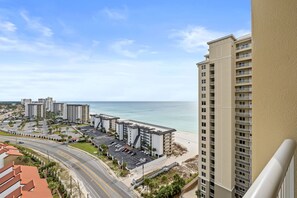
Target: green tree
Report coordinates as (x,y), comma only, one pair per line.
(164,179)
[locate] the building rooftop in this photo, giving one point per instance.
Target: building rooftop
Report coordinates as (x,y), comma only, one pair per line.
(222,38)
(107,117)
(21,181)
(156,129)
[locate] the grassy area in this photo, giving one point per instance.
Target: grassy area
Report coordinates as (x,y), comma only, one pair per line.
(5,134)
(88,147)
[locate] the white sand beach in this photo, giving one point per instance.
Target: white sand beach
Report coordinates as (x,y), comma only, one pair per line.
(189,140)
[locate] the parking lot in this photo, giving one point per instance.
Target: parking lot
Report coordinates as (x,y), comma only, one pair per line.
(118,149)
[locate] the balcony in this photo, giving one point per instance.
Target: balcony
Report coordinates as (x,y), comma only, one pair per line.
(245,122)
(243,97)
(243,106)
(242,65)
(243,114)
(243,90)
(277,178)
(245,73)
(241,56)
(245,46)
(244,81)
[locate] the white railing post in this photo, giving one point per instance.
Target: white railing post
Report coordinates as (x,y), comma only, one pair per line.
(277,178)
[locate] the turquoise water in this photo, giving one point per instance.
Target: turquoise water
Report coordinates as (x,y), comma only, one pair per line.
(179,115)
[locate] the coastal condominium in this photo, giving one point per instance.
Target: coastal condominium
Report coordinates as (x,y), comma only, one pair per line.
(25,102)
(103,121)
(48,103)
(225,111)
(60,109)
(35,110)
(149,137)
(78,113)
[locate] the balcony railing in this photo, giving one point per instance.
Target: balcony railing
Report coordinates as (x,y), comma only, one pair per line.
(243,56)
(277,178)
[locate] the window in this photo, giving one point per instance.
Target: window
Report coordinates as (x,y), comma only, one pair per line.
(203,88)
(203,188)
(203,160)
(203,95)
(203,131)
(203,152)
(203,124)
(203,81)
(203,138)
(203,145)
(203,181)
(203,110)
(203,174)
(203,74)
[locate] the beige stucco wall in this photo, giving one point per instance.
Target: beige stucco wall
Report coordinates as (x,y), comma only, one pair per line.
(274,30)
(221,54)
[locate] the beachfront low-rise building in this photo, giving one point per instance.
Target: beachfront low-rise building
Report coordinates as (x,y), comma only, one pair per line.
(105,122)
(78,113)
(60,109)
(149,137)
(35,111)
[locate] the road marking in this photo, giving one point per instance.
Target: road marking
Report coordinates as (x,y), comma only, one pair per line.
(91,174)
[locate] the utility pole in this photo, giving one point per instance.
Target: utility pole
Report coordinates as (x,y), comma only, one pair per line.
(70,186)
(47,156)
(143,172)
(79,189)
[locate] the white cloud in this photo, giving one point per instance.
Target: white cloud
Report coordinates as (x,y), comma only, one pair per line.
(7,26)
(115,14)
(35,24)
(126,47)
(195,38)
(242,32)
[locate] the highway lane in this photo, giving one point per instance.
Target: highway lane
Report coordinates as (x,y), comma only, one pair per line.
(96,179)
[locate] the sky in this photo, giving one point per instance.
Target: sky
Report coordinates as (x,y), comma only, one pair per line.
(110,50)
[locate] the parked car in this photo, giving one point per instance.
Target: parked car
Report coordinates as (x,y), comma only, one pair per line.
(133,154)
(20,142)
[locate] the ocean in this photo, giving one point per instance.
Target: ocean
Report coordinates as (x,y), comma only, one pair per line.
(181,116)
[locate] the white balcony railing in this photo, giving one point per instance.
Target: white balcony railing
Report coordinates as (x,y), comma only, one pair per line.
(277,178)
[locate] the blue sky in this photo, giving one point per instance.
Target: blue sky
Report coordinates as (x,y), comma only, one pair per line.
(110,49)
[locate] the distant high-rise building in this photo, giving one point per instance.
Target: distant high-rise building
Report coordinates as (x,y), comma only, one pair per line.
(78,113)
(25,102)
(60,109)
(49,104)
(35,110)
(225,111)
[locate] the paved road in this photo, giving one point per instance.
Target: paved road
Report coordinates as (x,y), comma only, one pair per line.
(96,179)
